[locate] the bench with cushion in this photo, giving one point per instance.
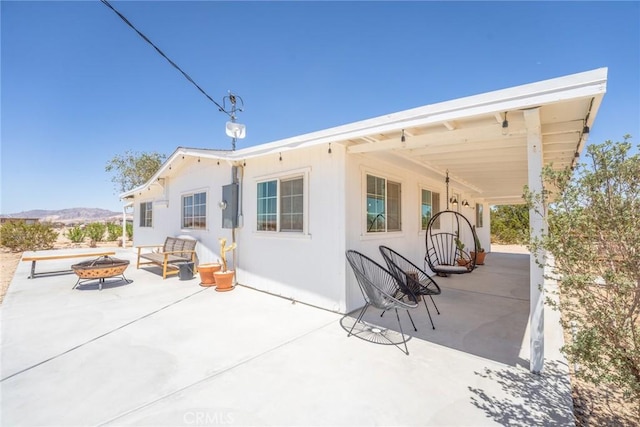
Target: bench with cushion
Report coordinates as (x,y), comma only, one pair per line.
(174,251)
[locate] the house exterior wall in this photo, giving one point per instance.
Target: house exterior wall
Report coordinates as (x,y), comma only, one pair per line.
(410,241)
(308,266)
(188,176)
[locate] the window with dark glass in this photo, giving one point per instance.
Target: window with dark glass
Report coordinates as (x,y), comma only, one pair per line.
(194,211)
(383,205)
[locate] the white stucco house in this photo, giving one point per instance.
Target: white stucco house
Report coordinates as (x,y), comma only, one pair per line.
(305,200)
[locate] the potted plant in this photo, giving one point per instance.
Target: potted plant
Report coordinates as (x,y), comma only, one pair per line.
(206,273)
(481,253)
(462,261)
(224,277)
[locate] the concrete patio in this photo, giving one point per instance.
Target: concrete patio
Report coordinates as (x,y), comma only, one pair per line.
(169,352)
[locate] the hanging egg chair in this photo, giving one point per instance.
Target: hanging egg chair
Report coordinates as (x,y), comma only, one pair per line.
(450,241)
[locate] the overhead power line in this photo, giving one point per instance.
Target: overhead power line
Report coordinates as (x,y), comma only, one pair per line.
(126,21)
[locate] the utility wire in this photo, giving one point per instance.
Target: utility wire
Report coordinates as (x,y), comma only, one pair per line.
(126,21)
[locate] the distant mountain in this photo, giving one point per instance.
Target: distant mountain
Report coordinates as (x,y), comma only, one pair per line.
(73,215)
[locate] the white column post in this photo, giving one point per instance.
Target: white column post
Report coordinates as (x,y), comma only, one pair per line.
(124,226)
(537,226)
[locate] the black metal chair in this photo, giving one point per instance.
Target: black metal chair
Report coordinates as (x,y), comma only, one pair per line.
(411,277)
(379,288)
(446,245)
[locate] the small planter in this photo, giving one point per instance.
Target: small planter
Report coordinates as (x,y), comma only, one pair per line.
(479,258)
(224,280)
(463,262)
(207,271)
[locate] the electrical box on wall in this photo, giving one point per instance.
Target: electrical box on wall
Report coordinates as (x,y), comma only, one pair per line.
(229,206)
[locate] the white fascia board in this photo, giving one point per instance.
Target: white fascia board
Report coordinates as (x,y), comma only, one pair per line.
(580,85)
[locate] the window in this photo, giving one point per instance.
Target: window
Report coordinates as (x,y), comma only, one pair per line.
(383,205)
(284,213)
(479,215)
(146,214)
(194,211)
(430,206)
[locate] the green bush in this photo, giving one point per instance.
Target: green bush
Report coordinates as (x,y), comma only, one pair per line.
(114,232)
(19,236)
(129,229)
(510,224)
(76,235)
(95,231)
(593,221)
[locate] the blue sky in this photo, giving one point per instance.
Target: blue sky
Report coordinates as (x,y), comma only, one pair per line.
(79,86)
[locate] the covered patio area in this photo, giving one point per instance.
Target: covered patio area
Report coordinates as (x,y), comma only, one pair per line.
(170,352)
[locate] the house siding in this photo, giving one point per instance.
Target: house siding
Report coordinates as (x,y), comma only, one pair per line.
(309,267)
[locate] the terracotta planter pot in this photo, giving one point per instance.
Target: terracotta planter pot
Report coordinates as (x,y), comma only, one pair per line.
(479,258)
(463,262)
(206,273)
(224,280)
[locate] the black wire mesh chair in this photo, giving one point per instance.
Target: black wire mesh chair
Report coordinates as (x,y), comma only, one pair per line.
(445,248)
(379,289)
(411,277)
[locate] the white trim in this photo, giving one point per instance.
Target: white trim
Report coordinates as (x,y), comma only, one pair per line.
(364,171)
(205,190)
(305,174)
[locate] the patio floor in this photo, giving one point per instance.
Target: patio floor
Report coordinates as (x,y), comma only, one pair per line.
(169,352)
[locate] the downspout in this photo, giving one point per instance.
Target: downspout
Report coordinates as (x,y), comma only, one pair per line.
(237,173)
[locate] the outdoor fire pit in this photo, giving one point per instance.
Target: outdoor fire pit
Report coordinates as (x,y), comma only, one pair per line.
(100,269)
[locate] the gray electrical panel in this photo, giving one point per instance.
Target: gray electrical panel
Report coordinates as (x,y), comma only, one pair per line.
(230,206)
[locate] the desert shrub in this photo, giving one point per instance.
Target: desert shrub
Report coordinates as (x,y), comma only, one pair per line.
(129,229)
(114,232)
(95,232)
(593,221)
(19,236)
(510,224)
(76,234)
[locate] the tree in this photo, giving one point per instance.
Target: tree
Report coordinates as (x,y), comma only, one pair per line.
(133,169)
(510,224)
(593,224)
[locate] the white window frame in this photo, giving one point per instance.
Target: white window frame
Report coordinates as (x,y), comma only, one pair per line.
(303,174)
(433,211)
(206,209)
(147,221)
(365,223)
(479,215)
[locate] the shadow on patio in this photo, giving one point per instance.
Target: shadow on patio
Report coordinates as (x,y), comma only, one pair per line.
(484,313)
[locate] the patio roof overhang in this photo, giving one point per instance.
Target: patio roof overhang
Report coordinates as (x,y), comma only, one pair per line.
(464,136)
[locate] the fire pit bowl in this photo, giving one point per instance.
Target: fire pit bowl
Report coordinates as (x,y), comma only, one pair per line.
(100,268)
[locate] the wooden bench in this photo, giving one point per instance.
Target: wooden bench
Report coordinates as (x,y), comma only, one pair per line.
(36,258)
(175,250)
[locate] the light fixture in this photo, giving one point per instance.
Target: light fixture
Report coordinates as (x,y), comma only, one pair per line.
(453,200)
(329,150)
(505,124)
(402,138)
(585,129)
(465,203)
(280,156)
